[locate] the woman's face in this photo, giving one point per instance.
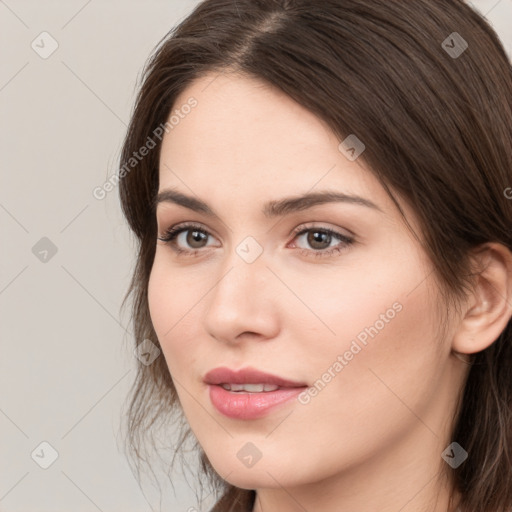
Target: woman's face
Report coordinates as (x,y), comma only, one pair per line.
(352,322)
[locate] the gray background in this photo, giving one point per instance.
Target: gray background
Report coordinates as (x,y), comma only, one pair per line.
(67,361)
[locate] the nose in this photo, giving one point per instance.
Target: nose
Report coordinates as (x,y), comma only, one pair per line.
(243,302)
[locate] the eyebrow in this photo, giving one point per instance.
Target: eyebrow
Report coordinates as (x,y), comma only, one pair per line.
(274,208)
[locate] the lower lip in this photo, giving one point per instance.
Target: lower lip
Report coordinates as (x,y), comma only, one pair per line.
(249,406)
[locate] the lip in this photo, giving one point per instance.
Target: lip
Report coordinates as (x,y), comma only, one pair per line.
(249,375)
(245,405)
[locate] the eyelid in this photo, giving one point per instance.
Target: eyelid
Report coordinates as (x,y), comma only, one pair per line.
(181,227)
(322,227)
(295,231)
(345,241)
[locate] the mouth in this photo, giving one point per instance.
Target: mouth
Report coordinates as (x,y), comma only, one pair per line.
(250,388)
(249,393)
(248,376)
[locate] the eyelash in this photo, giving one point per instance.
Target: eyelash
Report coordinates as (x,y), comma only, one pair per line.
(171,234)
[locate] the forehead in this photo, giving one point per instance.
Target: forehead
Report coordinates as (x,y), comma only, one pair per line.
(244,131)
(247,119)
(246,143)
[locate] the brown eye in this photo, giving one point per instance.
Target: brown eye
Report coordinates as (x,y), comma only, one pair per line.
(195,238)
(187,238)
(317,239)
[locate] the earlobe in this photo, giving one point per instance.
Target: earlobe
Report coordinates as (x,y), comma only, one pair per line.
(489,308)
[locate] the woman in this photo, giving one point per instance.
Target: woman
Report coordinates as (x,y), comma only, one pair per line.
(321,196)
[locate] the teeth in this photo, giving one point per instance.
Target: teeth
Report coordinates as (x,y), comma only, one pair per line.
(250,388)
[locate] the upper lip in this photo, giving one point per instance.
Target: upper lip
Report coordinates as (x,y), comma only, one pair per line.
(223,375)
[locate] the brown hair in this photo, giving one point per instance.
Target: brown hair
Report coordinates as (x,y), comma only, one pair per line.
(437,126)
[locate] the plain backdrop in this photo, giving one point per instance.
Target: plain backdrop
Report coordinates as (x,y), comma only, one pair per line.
(66,258)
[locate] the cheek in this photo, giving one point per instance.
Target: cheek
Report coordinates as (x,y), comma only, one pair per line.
(171,305)
(386,338)
(381,303)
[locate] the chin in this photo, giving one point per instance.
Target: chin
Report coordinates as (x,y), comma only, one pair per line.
(263,474)
(249,480)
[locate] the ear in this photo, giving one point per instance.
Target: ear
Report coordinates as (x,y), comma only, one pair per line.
(489,307)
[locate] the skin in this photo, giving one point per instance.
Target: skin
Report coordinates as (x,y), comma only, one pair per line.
(372,438)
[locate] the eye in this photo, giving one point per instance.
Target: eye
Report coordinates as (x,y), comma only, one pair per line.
(195,237)
(320,239)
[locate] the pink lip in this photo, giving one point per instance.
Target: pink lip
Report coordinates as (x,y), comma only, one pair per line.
(245,405)
(223,375)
